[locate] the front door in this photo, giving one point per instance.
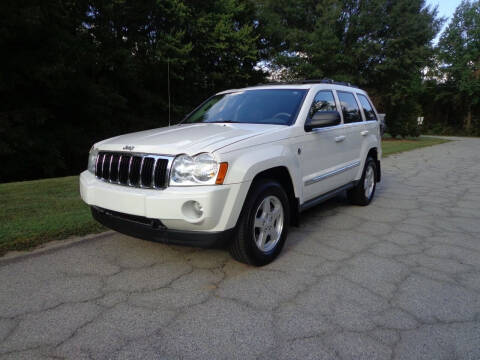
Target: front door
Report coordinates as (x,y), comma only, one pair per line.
(322,152)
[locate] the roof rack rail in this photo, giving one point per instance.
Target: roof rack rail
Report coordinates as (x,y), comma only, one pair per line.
(327,81)
(275,83)
(308,81)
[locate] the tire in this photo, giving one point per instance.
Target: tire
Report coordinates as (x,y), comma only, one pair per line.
(359,194)
(265,206)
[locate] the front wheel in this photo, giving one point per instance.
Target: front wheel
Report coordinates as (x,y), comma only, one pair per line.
(362,193)
(263,224)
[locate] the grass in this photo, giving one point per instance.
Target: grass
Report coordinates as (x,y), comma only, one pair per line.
(393,146)
(35,212)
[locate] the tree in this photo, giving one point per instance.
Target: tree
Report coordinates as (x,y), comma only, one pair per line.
(226,42)
(381,45)
(459,49)
(79,71)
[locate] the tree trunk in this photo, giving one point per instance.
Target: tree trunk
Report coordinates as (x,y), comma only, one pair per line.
(468,119)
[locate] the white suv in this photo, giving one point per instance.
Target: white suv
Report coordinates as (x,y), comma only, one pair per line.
(241,167)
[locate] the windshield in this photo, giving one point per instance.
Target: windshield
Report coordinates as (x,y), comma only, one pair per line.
(272,106)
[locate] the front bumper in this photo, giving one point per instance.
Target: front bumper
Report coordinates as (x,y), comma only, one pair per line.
(221,204)
(154,230)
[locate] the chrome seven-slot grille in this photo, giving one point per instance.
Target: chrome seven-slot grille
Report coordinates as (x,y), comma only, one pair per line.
(138,170)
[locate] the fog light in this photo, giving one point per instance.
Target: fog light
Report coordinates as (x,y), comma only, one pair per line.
(198,208)
(192,209)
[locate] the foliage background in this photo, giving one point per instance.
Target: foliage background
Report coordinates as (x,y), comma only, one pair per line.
(75,72)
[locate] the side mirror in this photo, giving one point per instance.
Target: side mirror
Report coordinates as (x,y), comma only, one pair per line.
(322,119)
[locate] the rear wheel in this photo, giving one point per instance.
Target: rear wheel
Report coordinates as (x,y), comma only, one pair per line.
(263,224)
(362,193)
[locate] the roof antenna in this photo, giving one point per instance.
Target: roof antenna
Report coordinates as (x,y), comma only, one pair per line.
(168,86)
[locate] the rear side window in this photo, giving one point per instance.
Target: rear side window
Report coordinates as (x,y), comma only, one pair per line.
(367,107)
(350,109)
(323,101)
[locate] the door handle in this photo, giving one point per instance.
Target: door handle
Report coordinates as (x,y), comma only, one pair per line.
(364,133)
(340,138)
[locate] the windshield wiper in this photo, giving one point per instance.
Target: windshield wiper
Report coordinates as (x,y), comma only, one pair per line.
(221,121)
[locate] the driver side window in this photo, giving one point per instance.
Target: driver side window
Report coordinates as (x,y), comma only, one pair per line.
(324,101)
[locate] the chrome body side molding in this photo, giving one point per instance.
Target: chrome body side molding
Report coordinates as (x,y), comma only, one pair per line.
(332,173)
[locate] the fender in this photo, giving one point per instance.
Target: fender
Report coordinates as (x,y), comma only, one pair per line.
(371,143)
(243,165)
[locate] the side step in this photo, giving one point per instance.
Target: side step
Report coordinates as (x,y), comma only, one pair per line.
(319,199)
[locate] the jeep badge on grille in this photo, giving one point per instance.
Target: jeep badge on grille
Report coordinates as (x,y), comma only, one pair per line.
(128,147)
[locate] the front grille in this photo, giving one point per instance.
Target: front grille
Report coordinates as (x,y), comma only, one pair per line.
(138,170)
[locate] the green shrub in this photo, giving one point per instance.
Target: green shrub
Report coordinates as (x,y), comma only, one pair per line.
(401,119)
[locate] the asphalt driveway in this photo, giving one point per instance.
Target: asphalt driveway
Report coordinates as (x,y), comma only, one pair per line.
(397,279)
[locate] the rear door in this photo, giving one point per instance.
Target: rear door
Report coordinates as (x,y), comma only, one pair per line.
(372,126)
(354,128)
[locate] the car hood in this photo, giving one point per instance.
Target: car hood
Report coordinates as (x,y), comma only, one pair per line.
(186,138)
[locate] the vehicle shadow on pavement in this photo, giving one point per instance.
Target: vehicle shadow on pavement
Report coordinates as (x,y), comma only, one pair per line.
(336,218)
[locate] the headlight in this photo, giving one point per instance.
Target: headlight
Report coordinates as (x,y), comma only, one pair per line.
(92,160)
(201,169)
(206,167)
(182,170)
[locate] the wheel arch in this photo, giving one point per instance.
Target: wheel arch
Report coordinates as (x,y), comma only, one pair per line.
(373,153)
(282,175)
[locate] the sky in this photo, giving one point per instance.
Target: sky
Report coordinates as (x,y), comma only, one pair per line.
(446,8)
